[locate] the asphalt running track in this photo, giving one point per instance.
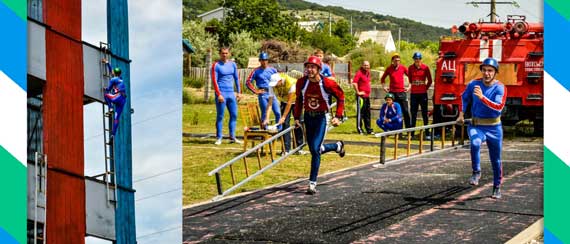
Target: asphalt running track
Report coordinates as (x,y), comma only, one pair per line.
(418,200)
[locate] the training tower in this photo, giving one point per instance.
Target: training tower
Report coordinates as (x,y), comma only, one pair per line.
(64,74)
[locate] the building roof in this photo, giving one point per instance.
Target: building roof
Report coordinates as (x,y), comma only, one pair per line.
(188,46)
(210,12)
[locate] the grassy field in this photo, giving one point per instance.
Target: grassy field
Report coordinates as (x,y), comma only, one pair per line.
(200,155)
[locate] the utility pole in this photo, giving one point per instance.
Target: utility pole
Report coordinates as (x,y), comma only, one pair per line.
(399,36)
(224,13)
(330,23)
(209,79)
(493,4)
(352,34)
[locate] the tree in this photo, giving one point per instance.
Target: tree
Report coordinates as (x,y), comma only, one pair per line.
(371,52)
(243,47)
(262,18)
(195,32)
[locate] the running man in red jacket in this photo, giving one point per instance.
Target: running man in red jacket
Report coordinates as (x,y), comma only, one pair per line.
(312,91)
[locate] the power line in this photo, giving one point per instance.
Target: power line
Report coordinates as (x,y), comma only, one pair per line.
(138,122)
(158,232)
(158,194)
(156,175)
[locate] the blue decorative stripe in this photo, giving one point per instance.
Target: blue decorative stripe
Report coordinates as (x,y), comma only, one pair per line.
(14,46)
(5,237)
(556,37)
(550,238)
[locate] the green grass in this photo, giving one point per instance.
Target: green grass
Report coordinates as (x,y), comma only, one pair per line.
(202,156)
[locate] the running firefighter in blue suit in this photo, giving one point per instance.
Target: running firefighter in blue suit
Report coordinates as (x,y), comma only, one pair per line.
(487,97)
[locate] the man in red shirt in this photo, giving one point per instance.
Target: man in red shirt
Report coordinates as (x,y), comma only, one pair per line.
(396,71)
(361,83)
(312,91)
(419,73)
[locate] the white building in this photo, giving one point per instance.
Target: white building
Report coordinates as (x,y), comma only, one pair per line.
(310,25)
(218,14)
(381,37)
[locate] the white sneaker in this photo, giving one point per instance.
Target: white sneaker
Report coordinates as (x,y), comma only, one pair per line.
(301,152)
(312,188)
(235,140)
(218,142)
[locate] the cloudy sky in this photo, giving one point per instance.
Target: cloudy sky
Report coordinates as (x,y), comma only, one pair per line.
(156,74)
(443,13)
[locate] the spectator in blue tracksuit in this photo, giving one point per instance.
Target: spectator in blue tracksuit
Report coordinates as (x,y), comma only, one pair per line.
(390,114)
(224,77)
(262,75)
(115,96)
(487,97)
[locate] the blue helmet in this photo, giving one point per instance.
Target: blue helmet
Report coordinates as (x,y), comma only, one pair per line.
(263,56)
(490,62)
(417,55)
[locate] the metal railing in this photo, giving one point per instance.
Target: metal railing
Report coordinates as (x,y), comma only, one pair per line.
(255,149)
(421,129)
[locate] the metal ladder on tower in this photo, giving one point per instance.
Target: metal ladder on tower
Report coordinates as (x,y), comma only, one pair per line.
(40,177)
(109,143)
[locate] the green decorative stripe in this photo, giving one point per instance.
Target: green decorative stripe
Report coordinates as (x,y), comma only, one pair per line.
(20,7)
(556,197)
(561,6)
(13,207)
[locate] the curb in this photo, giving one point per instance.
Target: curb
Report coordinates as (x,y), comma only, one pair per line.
(529,233)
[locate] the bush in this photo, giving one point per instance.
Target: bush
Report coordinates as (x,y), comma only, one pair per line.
(194,83)
(186,98)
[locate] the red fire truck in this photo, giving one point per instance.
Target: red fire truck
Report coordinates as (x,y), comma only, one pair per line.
(516,44)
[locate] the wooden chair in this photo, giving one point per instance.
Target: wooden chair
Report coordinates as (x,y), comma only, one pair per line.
(251,118)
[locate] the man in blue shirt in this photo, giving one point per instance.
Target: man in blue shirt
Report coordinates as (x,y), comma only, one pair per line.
(262,75)
(224,77)
(390,114)
(487,97)
(115,95)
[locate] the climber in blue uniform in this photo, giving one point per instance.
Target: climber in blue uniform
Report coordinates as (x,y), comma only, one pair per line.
(115,95)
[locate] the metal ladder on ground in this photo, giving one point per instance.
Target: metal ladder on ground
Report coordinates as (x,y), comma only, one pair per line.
(40,178)
(109,176)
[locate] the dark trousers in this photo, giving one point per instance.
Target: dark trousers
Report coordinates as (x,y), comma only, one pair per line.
(363,114)
(417,100)
(315,130)
(298,131)
(402,99)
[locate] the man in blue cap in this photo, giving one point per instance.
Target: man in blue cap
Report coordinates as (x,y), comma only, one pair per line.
(262,76)
(487,97)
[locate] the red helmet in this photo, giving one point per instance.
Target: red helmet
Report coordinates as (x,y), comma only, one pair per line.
(314,60)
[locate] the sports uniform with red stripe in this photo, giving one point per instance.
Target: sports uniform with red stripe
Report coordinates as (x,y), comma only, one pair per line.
(486,126)
(262,76)
(224,76)
(116,97)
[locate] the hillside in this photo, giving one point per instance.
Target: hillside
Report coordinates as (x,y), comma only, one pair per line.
(412,31)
